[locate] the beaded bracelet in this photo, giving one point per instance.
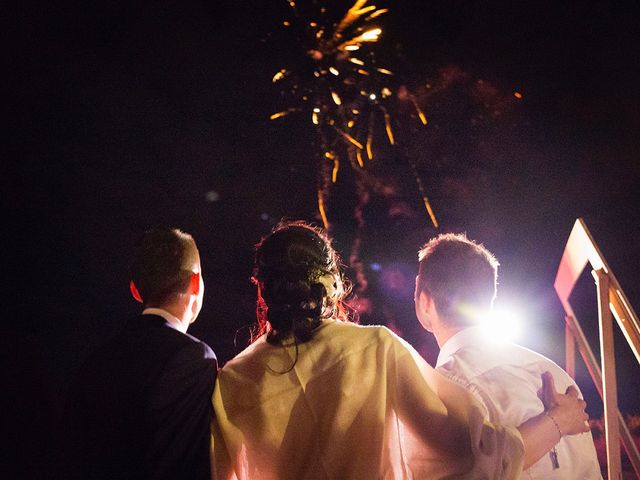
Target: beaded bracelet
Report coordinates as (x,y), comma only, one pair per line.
(553,454)
(546,412)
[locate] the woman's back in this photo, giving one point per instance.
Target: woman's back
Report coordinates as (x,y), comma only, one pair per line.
(323,419)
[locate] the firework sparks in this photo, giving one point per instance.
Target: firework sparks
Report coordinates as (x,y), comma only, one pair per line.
(341,92)
(333,91)
(334,172)
(387,127)
(279,75)
(432,215)
(283,113)
(368,36)
(353,14)
(350,139)
(408,95)
(323,214)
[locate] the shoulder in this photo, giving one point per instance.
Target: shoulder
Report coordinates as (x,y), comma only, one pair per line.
(334,342)
(479,358)
(149,338)
(164,337)
(506,377)
(200,347)
(192,354)
(351,330)
(377,343)
(529,365)
(191,366)
(351,338)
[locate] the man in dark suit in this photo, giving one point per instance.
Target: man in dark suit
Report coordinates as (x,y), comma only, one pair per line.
(140,407)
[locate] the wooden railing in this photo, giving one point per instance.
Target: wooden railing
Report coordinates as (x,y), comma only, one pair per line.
(612,303)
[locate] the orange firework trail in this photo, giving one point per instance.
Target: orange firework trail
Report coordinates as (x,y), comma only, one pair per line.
(323,215)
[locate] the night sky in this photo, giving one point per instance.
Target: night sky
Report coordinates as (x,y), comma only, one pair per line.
(130,115)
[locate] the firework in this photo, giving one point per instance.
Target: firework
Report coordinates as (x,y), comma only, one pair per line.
(343,89)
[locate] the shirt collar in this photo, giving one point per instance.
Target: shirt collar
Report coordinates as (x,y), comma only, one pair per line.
(174,322)
(463,338)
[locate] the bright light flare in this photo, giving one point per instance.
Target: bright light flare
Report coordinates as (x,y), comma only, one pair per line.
(502,325)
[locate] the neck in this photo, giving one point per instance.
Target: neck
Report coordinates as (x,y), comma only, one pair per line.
(180,310)
(443,332)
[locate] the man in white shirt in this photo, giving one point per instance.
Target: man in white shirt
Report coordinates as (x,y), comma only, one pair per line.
(455,286)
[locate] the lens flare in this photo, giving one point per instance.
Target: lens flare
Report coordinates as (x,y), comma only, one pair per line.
(502,325)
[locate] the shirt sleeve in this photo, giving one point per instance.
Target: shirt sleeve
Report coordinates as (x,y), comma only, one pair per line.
(179,415)
(476,391)
(448,434)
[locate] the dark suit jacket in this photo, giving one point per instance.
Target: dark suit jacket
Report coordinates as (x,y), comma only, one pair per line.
(140,407)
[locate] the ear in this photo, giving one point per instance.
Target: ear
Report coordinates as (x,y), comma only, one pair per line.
(134,292)
(421,298)
(424,310)
(424,301)
(194,284)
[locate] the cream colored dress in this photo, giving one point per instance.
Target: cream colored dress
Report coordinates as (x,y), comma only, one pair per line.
(359,403)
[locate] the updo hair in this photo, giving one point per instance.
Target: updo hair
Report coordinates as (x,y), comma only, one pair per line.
(289,265)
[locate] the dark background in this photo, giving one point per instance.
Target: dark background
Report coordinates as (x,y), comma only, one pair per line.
(128,115)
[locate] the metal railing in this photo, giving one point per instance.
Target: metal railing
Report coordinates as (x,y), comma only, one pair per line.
(612,302)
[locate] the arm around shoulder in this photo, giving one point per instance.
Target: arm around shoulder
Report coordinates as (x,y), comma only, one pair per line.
(450,422)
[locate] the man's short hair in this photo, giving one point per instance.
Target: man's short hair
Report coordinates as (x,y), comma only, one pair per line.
(162,264)
(459,275)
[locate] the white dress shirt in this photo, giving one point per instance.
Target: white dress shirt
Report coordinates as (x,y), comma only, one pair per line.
(354,403)
(506,379)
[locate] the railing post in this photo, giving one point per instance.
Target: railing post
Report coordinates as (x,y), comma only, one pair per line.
(569,350)
(609,384)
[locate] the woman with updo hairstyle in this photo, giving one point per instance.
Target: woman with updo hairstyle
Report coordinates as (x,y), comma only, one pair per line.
(316,396)
(299,282)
